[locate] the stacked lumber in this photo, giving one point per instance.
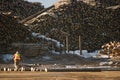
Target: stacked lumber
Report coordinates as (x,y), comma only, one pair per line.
(96,24)
(112,49)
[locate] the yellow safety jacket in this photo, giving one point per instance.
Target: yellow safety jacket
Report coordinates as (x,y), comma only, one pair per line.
(17,56)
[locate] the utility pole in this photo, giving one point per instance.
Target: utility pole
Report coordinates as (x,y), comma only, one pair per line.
(80,47)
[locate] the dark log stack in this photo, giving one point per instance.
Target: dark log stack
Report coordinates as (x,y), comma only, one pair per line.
(107,3)
(96,24)
(20,8)
(11,31)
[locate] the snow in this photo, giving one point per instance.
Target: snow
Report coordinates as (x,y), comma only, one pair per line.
(85,54)
(88,55)
(58,44)
(46,57)
(7,57)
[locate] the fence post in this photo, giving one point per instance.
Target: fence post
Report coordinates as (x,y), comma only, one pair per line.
(80,47)
(67,46)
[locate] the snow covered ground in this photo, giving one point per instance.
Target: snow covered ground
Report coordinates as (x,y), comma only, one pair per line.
(85,54)
(7,57)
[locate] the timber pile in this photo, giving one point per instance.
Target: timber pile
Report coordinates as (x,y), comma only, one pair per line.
(96,24)
(107,3)
(20,8)
(11,31)
(112,49)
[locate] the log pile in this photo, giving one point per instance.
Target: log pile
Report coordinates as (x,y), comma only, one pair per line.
(93,23)
(107,3)
(20,8)
(96,24)
(11,31)
(112,49)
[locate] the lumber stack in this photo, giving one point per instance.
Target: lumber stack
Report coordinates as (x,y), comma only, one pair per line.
(112,49)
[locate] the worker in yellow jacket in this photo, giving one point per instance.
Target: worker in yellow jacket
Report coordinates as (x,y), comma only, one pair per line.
(17,59)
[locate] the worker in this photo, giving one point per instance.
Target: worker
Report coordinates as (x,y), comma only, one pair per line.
(17,59)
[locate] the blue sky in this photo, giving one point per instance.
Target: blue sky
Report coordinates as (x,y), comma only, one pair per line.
(46,3)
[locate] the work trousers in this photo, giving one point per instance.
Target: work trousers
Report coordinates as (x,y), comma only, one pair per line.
(16,64)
